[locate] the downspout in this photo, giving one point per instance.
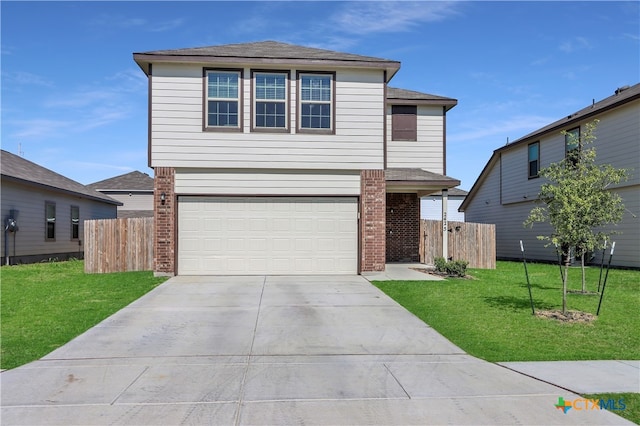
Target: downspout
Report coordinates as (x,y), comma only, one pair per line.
(384,124)
(444,141)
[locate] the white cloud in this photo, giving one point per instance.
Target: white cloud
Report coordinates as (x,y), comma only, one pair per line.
(25,78)
(576,43)
(383,17)
(513,128)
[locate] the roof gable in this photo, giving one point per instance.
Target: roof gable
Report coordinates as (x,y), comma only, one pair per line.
(133,181)
(620,97)
(17,168)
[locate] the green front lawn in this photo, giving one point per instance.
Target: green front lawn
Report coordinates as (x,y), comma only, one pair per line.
(45,305)
(490,316)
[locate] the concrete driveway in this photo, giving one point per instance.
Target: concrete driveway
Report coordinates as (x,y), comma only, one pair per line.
(273,350)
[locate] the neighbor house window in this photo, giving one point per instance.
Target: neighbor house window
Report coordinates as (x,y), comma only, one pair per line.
(223,99)
(50,220)
(270,100)
(75,222)
(316,102)
(404,123)
(534,159)
(572,144)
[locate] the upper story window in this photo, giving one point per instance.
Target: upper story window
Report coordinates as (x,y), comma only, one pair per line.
(270,100)
(49,220)
(316,102)
(572,144)
(75,222)
(534,160)
(223,99)
(404,122)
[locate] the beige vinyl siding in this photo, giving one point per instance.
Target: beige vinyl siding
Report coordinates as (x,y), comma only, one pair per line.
(178,139)
(266,182)
(30,238)
(425,153)
(132,200)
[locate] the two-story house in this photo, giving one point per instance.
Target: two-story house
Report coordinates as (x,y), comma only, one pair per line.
(508,186)
(134,190)
(272,158)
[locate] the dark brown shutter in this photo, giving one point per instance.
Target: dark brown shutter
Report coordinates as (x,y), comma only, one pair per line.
(404,123)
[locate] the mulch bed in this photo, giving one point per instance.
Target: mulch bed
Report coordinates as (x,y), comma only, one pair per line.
(568,317)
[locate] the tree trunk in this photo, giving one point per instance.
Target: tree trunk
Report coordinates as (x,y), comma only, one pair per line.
(584,283)
(565,277)
(564,289)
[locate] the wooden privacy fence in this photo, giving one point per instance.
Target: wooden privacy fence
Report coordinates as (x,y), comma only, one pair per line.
(473,242)
(118,245)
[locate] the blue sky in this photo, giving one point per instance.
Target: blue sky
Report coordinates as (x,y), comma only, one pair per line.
(76,102)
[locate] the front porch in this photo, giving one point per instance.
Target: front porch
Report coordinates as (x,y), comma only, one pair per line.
(404,188)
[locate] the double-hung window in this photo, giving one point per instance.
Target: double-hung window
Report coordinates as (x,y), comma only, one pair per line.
(316,102)
(223,99)
(534,160)
(572,145)
(49,221)
(270,102)
(75,222)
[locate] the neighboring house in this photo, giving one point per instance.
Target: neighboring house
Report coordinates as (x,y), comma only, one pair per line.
(431,205)
(272,158)
(134,190)
(49,211)
(507,188)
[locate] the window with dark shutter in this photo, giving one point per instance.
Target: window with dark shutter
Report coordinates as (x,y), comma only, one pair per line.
(404,123)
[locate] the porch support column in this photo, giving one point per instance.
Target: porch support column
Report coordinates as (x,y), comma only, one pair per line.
(445,225)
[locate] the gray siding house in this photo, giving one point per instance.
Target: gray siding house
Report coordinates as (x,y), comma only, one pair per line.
(272,158)
(507,188)
(49,211)
(134,190)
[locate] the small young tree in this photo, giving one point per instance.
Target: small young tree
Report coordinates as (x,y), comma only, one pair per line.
(578,202)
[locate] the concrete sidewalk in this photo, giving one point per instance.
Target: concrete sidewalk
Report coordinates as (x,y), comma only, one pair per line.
(274,350)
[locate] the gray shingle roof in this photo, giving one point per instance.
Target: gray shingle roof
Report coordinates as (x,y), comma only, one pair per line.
(419,176)
(620,96)
(16,168)
(403,96)
(264,52)
(133,181)
(267,50)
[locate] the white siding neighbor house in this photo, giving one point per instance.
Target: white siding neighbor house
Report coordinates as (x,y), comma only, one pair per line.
(134,190)
(431,205)
(272,158)
(508,186)
(43,213)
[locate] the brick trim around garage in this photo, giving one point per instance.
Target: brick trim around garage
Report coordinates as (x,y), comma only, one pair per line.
(372,220)
(165,221)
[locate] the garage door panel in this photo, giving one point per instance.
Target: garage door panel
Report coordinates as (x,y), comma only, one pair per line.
(284,235)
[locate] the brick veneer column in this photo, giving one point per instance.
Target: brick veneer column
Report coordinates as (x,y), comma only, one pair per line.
(164,221)
(372,220)
(403,228)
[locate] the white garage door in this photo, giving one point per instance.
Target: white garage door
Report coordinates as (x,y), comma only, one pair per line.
(267,235)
